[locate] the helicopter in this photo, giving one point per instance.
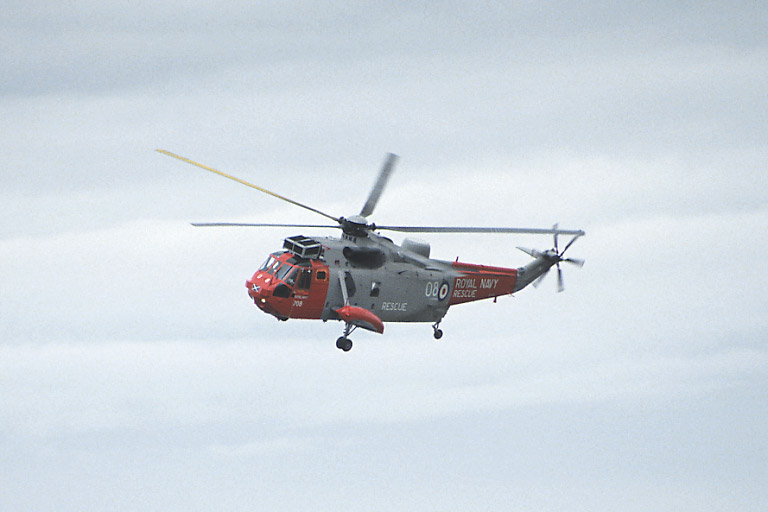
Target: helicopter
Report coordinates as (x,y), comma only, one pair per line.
(364,279)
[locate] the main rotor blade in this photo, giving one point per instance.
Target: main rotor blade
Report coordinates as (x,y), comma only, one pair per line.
(378,187)
(211,169)
(459,229)
(252,225)
(554,228)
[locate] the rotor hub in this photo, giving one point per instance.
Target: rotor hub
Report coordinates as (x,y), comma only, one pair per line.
(355,225)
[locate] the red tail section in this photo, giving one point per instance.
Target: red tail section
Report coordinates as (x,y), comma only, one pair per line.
(481,282)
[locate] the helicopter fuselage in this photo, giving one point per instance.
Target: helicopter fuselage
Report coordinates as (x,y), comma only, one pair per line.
(364,279)
(313,278)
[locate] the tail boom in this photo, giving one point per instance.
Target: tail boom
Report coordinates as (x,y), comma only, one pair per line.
(476,282)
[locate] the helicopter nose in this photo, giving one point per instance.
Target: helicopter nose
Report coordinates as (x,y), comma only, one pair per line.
(254,289)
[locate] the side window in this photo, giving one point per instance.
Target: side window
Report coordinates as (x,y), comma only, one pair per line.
(305,278)
(321,275)
(375,289)
(282,291)
(350,284)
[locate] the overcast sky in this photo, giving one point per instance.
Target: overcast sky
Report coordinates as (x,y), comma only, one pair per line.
(135,374)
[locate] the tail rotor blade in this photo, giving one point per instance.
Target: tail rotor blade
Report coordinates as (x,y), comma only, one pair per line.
(539,279)
(574,261)
(570,243)
(560,285)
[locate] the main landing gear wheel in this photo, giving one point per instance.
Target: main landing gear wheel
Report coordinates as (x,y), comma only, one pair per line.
(438,333)
(344,344)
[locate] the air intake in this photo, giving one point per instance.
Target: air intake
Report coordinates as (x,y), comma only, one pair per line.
(418,246)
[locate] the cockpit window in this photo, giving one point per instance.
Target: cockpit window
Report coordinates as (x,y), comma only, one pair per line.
(270,261)
(283,272)
(291,279)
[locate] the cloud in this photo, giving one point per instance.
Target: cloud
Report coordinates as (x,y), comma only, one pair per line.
(58,389)
(259,448)
(127,336)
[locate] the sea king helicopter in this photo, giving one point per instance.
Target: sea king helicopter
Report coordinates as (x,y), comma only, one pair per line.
(364,279)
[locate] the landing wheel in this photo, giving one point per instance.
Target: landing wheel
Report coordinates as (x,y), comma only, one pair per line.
(438,333)
(344,344)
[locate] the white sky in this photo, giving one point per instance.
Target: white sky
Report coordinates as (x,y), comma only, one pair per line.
(136,375)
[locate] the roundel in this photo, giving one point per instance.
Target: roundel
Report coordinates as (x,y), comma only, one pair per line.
(444,289)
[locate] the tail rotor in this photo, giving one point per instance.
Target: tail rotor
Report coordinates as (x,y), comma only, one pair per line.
(555,256)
